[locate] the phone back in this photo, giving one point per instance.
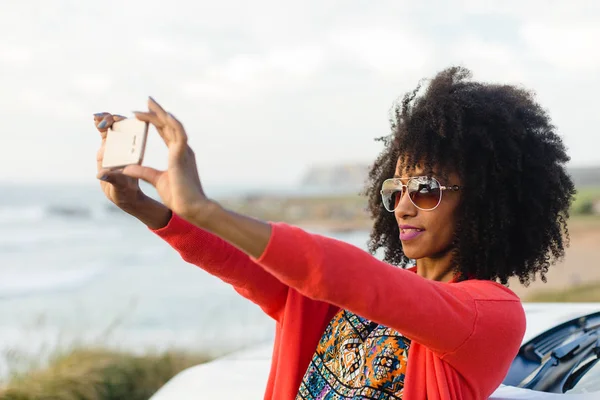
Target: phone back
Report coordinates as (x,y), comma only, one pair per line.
(125,143)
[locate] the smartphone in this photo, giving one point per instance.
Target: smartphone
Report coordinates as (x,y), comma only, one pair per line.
(125,143)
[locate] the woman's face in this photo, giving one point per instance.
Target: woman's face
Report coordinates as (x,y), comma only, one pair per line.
(427,234)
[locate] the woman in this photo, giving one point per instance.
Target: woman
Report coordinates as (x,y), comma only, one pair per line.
(471,185)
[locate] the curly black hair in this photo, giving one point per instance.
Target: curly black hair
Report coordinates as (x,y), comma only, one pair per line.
(516,192)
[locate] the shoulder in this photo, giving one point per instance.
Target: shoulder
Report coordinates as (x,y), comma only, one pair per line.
(495,305)
(498,309)
(498,327)
(485,290)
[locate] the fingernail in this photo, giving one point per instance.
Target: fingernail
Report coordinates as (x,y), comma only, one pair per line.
(104,178)
(98,114)
(152,99)
(103,124)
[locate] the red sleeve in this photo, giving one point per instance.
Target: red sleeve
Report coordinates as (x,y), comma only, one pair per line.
(341,274)
(225,261)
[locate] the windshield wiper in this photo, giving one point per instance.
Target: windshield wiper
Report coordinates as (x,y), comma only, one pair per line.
(563,361)
(535,352)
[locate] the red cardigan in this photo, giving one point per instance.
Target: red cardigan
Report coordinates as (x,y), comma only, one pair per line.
(464,335)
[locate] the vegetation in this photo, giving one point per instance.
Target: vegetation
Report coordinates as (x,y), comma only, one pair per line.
(71,368)
(349,210)
(589,292)
(98,374)
(333,212)
(584,201)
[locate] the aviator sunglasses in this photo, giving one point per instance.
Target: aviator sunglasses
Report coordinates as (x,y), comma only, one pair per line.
(424,192)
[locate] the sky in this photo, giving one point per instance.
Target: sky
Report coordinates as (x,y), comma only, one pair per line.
(268,88)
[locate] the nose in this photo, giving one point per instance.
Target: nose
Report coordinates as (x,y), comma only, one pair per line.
(405,208)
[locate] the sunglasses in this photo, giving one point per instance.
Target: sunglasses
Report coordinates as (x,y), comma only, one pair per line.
(424,192)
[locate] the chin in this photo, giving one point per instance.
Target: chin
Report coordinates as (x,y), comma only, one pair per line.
(413,254)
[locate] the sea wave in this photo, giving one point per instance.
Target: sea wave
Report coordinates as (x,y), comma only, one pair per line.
(38,213)
(21,214)
(24,283)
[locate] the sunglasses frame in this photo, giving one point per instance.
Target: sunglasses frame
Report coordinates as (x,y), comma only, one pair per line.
(400,185)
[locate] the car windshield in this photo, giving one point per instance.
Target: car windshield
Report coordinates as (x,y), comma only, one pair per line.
(590,382)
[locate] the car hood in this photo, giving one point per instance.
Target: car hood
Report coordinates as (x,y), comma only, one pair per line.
(243,375)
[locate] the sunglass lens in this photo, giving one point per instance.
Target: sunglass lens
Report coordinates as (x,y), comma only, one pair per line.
(391,198)
(425,193)
(391,192)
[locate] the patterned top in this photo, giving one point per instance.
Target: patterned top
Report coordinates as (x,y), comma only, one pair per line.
(356,358)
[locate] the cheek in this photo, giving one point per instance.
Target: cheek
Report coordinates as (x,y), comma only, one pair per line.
(446,235)
(443,225)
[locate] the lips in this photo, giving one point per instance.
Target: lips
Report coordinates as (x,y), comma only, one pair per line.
(409,232)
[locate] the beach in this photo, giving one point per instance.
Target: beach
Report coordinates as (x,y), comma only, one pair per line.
(75,270)
(581,264)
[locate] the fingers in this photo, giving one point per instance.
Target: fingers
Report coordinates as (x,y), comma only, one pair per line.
(179,131)
(154,107)
(146,174)
(169,128)
(104,121)
(100,116)
(113,177)
(151,118)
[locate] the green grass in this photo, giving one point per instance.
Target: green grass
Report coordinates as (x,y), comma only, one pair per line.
(589,292)
(584,221)
(98,374)
(583,199)
(74,369)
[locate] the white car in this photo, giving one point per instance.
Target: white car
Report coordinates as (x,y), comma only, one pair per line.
(559,359)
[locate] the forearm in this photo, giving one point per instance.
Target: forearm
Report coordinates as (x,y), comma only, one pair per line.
(247,234)
(150,212)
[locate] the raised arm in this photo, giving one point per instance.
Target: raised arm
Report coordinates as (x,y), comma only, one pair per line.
(193,244)
(317,267)
(341,274)
(226,262)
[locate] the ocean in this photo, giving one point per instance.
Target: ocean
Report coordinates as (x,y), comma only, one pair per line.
(75,270)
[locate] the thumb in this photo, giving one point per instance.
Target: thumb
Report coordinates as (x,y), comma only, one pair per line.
(114,177)
(146,174)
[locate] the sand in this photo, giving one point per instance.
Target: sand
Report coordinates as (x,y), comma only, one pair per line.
(581,263)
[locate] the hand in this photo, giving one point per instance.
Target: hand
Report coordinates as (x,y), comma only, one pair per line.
(179,186)
(125,191)
(122,190)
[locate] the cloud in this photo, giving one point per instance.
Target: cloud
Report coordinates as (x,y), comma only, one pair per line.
(89,83)
(277,69)
(489,61)
(573,47)
(383,50)
(13,55)
(173,50)
(560,33)
(56,107)
(252,75)
(531,10)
